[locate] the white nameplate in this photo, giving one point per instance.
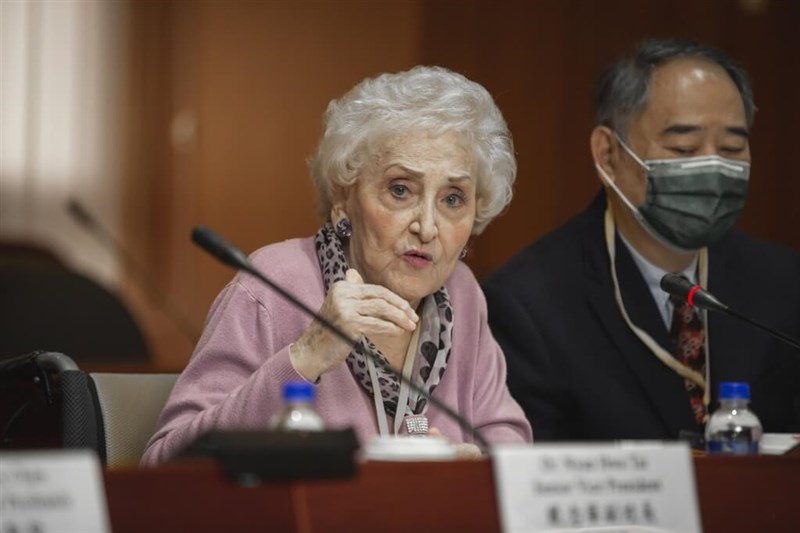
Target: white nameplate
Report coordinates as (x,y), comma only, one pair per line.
(47,492)
(619,488)
(778,443)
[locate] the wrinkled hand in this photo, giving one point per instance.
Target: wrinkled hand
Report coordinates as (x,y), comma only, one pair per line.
(358,309)
(463,450)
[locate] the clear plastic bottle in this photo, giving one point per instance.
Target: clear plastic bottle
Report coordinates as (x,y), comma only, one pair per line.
(733,428)
(298,412)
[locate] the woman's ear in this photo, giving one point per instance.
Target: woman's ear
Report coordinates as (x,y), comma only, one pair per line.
(338,212)
(603,147)
(338,205)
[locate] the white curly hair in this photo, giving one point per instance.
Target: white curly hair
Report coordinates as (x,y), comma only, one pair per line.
(431,99)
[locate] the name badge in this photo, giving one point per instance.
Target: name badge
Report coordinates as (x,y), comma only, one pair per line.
(46,492)
(621,488)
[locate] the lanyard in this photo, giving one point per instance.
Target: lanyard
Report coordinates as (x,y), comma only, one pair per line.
(663,355)
(402,402)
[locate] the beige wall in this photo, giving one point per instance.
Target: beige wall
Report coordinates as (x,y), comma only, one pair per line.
(225,103)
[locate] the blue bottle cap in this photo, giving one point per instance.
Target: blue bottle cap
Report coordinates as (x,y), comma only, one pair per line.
(731,390)
(298,391)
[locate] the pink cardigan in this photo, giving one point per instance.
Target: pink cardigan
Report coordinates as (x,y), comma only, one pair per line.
(234,377)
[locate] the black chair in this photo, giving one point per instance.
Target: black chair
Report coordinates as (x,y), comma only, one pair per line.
(40,393)
(53,404)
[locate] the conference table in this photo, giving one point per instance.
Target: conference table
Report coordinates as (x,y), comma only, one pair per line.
(755,493)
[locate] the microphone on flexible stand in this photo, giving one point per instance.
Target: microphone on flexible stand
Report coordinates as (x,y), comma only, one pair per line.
(155,294)
(684,290)
(228,254)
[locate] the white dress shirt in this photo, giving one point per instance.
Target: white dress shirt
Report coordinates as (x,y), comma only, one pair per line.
(652,276)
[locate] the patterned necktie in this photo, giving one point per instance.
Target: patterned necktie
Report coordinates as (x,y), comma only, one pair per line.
(689,338)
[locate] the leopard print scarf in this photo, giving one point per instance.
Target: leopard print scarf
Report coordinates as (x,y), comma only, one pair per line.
(435,338)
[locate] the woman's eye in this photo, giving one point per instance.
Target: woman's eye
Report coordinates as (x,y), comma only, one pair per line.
(399,191)
(454,200)
(680,150)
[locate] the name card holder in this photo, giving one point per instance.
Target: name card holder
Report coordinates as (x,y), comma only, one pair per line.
(596,487)
(52,492)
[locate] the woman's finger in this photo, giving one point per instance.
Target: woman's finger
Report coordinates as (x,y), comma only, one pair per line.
(379,309)
(354,286)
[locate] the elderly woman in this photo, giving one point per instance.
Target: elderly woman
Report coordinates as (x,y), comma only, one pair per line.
(409,167)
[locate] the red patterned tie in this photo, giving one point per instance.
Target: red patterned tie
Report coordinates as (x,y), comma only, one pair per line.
(689,338)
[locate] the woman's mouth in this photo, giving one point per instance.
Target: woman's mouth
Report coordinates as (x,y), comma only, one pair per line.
(417,259)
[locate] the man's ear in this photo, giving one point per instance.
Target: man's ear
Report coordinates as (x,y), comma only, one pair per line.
(603,146)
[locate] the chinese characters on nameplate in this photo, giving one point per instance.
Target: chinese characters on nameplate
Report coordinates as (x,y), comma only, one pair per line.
(610,488)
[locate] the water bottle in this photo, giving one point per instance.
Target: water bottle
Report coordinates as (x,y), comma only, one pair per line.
(298,412)
(733,428)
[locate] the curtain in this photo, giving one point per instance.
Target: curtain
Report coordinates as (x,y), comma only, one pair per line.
(60,137)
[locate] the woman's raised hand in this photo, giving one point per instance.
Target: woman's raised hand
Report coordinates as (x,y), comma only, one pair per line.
(358,309)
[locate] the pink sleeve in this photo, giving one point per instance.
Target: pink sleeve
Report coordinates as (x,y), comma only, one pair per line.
(233,379)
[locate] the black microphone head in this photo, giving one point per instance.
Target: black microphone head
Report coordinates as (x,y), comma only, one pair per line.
(676,285)
(213,243)
(685,291)
(201,235)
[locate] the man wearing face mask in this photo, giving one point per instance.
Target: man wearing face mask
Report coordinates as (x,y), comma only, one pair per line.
(595,349)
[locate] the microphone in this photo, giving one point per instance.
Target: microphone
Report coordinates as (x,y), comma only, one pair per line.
(682,289)
(228,254)
(151,289)
(214,244)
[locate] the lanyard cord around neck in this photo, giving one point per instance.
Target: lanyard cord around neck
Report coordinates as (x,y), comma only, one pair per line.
(402,401)
(663,355)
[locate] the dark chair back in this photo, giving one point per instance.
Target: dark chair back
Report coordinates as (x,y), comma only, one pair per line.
(61,406)
(45,402)
(57,309)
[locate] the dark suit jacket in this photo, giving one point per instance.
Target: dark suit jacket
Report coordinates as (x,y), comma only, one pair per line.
(580,373)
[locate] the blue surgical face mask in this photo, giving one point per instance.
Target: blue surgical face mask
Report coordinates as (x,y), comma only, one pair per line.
(690,202)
